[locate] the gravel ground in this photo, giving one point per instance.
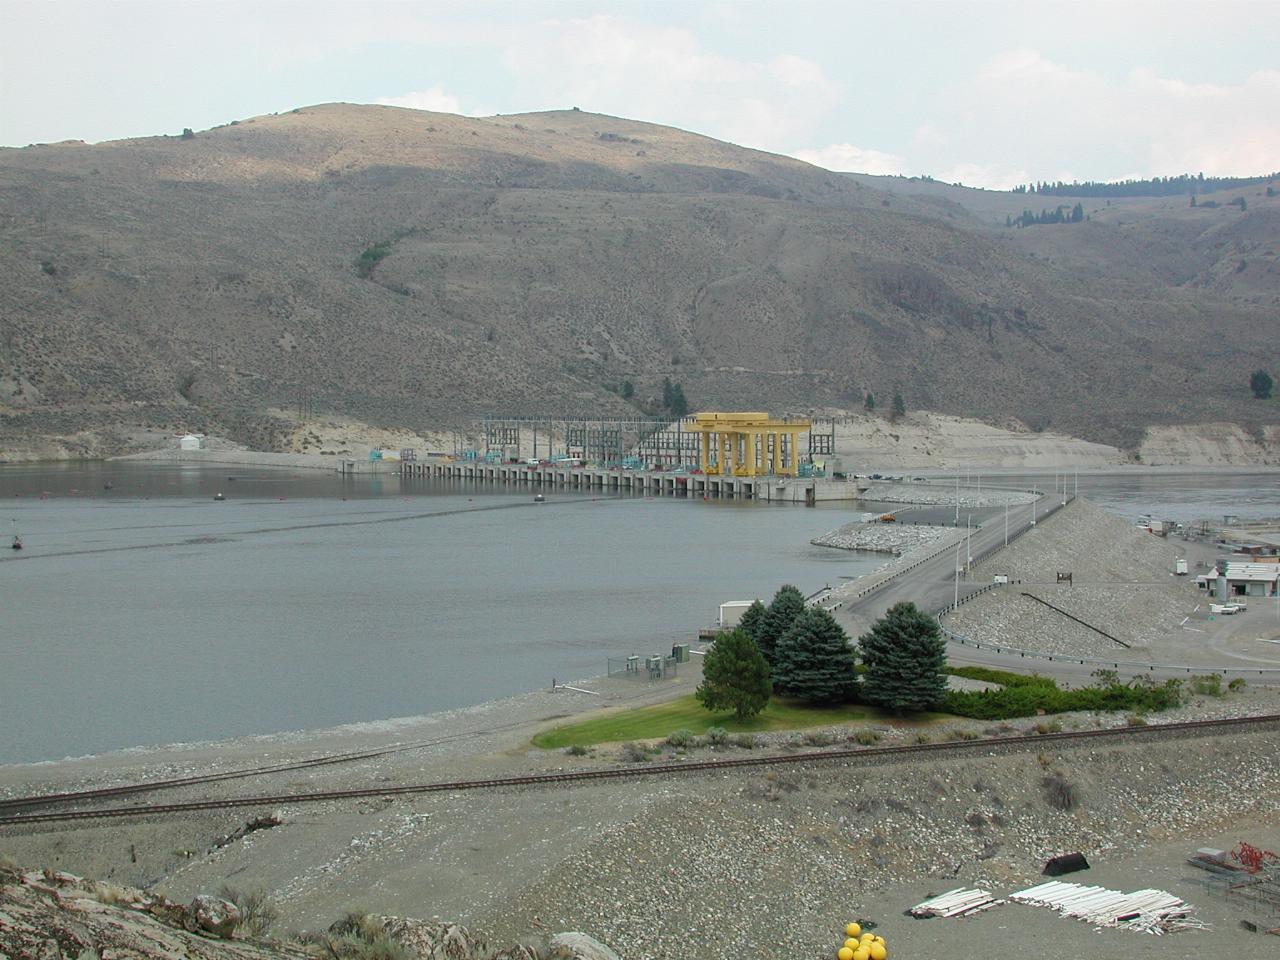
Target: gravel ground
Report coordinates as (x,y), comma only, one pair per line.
(749,863)
(1122,583)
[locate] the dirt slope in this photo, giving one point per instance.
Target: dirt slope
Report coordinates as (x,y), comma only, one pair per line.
(532,262)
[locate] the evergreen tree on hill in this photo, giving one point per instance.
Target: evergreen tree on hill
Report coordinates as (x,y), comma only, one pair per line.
(904,654)
(814,660)
(734,676)
(788,603)
(1261,384)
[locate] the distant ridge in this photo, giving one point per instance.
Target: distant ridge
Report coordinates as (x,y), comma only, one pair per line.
(414,269)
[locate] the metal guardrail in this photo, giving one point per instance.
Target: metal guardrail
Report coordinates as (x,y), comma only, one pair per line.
(1272,673)
(984,555)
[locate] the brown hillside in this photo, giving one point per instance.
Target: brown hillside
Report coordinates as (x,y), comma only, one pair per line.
(533,261)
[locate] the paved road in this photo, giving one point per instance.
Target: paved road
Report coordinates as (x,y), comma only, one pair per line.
(932,586)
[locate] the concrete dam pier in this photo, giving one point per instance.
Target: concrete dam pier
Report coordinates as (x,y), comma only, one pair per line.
(655,482)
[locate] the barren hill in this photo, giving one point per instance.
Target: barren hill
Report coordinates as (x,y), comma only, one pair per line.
(413,269)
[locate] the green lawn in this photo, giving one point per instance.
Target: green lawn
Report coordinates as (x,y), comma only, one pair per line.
(660,720)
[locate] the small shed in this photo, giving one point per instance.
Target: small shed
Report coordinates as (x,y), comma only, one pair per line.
(191,441)
(732,611)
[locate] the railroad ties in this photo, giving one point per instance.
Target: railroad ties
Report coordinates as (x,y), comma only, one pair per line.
(944,750)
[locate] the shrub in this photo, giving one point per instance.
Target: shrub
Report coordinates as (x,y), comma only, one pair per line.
(257,912)
(922,737)
(1060,793)
(113,894)
(577,750)
(1136,720)
(682,739)
(370,258)
(1041,695)
(819,738)
(633,753)
(1051,727)
(1236,685)
(962,735)
(747,741)
(1209,685)
(358,936)
(717,736)
(866,737)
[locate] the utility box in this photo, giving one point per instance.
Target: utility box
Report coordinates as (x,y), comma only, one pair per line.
(1180,567)
(1000,578)
(681,652)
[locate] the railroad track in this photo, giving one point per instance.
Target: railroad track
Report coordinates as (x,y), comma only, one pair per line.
(107,793)
(1156,731)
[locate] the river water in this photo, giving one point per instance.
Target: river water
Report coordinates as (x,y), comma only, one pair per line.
(149,613)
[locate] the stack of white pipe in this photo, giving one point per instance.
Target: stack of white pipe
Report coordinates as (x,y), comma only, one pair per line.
(955,903)
(1150,911)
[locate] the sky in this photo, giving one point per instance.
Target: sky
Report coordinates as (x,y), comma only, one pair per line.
(984,92)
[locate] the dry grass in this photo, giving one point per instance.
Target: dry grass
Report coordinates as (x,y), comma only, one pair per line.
(257,913)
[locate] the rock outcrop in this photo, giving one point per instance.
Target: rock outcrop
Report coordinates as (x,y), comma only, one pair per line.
(49,915)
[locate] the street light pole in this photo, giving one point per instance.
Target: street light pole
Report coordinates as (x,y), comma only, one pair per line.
(956,602)
(1006,523)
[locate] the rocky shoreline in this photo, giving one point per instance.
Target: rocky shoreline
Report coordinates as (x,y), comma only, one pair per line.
(894,538)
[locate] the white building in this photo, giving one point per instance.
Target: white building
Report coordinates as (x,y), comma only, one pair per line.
(191,441)
(1240,579)
(731,612)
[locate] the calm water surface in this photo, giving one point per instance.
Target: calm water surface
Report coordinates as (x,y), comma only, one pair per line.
(148,613)
(131,621)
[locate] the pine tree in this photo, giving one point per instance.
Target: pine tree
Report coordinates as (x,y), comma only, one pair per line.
(788,603)
(752,619)
(814,660)
(679,405)
(870,403)
(904,654)
(734,676)
(1261,384)
(899,405)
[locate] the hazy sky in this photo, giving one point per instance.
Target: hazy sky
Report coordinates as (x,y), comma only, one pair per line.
(988,93)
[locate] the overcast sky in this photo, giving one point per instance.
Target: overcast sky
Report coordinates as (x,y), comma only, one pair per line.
(987,93)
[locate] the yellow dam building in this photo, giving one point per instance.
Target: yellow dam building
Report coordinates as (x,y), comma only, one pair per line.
(748,444)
